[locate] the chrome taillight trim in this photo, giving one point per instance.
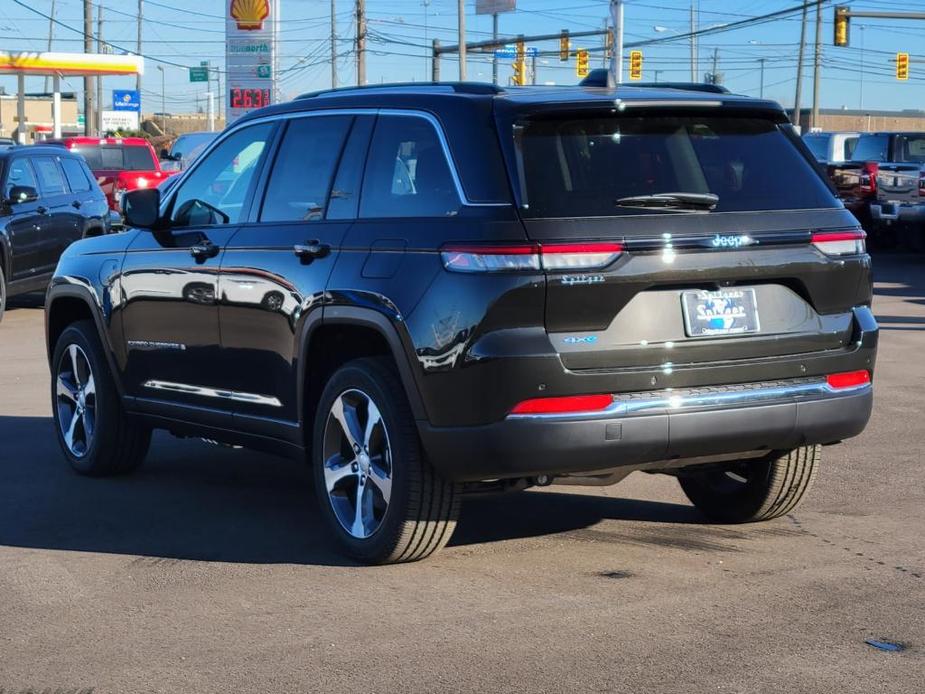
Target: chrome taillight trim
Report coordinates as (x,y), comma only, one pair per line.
(681,400)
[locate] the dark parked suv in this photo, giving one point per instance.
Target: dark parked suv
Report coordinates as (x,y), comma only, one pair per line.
(432,290)
(48,200)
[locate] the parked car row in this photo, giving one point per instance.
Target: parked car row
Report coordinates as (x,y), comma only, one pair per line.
(880,177)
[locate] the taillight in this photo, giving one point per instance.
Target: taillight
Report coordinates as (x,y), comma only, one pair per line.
(570,404)
(868,182)
(841,242)
(922,184)
(849,379)
(532,257)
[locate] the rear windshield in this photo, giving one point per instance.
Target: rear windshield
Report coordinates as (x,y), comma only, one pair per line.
(116,157)
(872,148)
(581,167)
(818,145)
(910,148)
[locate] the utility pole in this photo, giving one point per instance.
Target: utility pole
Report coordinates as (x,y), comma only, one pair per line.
(761,88)
(861,75)
(51,36)
(817,65)
(141,12)
(361,42)
(533,70)
(99,80)
(426,4)
(616,58)
(333,44)
(89,110)
(713,78)
(461,13)
(695,69)
(494,57)
(799,93)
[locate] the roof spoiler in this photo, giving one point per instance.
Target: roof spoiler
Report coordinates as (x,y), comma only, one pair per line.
(416,87)
(598,78)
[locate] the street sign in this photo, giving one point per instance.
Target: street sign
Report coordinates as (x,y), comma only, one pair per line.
(199,74)
(495,6)
(902,66)
(510,52)
(583,63)
(635,65)
(126,100)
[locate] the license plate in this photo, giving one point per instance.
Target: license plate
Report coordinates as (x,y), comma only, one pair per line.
(721,313)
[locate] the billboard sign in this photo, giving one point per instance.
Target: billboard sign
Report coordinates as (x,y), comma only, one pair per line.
(119,120)
(251,55)
(126,100)
(495,6)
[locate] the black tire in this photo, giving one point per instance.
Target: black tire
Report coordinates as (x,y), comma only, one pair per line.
(2,290)
(752,490)
(420,515)
(117,443)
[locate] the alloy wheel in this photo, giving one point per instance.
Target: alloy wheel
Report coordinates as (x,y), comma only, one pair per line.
(75,400)
(357,463)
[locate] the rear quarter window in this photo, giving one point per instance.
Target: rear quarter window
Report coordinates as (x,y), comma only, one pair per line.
(581,167)
(76,176)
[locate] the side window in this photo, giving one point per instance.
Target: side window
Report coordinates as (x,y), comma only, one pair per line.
(50,178)
(77,180)
(301,178)
(344,201)
(20,174)
(216,190)
(407,174)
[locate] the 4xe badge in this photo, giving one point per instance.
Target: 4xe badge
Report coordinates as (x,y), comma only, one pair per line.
(733,241)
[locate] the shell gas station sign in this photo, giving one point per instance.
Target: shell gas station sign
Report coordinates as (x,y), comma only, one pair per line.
(251,57)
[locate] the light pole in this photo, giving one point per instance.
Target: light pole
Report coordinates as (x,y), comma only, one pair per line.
(426,4)
(163,100)
(861,94)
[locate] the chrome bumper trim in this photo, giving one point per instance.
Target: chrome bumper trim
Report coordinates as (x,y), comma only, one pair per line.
(717,397)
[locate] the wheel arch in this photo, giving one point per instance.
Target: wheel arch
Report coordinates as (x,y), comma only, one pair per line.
(67,304)
(344,334)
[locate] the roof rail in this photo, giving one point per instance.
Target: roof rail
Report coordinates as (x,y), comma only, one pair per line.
(398,87)
(598,78)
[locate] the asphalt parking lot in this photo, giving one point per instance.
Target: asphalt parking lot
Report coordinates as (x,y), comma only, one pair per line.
(209,571)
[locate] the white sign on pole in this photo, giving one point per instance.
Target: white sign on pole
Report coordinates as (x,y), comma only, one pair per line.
(251,56)
(495,6)
(119,120)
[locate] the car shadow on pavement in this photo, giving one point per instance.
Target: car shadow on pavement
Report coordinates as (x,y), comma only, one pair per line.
(197,502)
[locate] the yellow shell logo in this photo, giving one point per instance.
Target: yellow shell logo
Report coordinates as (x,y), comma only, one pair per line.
(250,14)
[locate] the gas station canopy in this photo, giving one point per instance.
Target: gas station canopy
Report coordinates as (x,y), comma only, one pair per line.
(22,63)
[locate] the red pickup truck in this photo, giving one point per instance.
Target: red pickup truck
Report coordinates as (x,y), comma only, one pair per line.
(120,164)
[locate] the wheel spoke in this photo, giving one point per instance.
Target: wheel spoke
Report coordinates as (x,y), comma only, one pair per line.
(69,434)
(88,425)
(335,470)
(90,385)
(372,421)
(72,353)
(66,390)
(359,529)
(381,479)
(346,416)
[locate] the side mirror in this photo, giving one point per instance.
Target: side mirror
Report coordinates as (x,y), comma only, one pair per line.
(142,208)
(21,194)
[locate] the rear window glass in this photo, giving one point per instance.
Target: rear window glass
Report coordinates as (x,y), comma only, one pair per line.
(910,148)
(117,157)
(582,167)
(818,145)
(872,148)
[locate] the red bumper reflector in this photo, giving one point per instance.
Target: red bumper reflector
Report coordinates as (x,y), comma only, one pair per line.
(850,379)
(564,405)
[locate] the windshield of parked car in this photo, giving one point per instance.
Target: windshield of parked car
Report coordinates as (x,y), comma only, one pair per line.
(117,157)
(582,166)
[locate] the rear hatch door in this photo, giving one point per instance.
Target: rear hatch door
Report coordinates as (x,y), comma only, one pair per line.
(695,282)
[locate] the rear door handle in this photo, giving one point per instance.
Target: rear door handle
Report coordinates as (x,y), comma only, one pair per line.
(41,210)
(311,250)
(77,204)
(203,250)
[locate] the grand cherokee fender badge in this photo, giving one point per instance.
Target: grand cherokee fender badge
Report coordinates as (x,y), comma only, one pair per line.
(733,241)
(580,339)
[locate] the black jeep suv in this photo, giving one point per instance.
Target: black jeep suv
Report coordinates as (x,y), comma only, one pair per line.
(48,200)
(428,290)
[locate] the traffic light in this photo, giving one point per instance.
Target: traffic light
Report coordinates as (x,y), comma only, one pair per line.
(583,63)
(635,65)
(520,72)
(842,24)
(608,45)
(564,46)
(902,66)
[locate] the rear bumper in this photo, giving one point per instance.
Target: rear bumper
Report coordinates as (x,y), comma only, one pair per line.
(652,427)
(897,212)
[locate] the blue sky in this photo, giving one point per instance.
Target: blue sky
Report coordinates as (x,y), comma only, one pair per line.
(184,32)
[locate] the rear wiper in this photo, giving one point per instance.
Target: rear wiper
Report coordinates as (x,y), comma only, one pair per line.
(672,201)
